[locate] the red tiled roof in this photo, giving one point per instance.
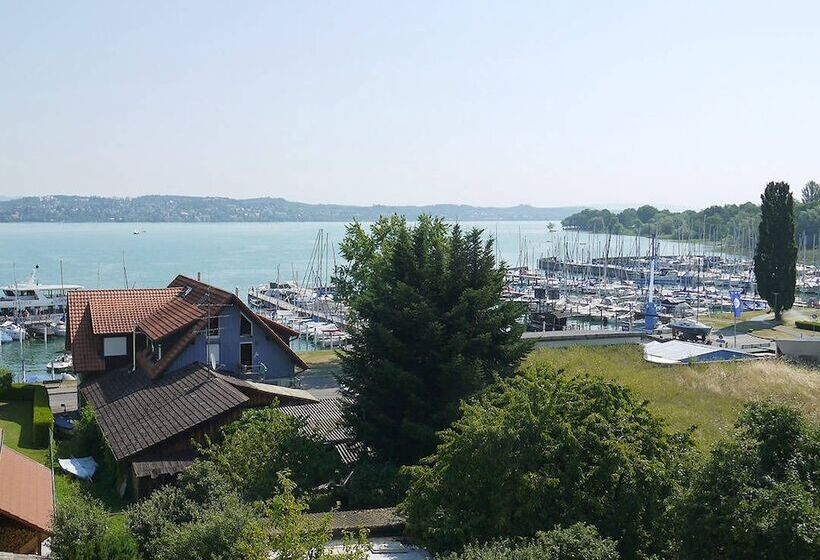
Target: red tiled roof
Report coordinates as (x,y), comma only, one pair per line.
(26,493)
(119,311)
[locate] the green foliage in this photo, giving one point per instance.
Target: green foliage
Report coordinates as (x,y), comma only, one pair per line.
(82,532)
(374,485)
(262,443)
(87,437)
(427,330)
(810,193)
(724,223)
(5,381)
(757,495)
(542,449)
(42,418)
(807,325)
(776,254)
(202,517)
(577,542)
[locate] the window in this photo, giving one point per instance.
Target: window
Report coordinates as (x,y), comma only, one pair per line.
(213,327)
(245,326)
(246,354)
(213,355)
(115,346)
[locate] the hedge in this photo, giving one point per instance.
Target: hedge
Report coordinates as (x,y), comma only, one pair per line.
(807,325)
(41,417)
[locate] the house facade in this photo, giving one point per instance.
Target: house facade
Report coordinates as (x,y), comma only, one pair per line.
(157,330)
(164,368)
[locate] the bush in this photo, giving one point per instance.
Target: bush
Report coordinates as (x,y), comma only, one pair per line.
(42,418)
(88,439)
(81,532)
(807,325)
(540,450)
(756,496)
(374,485)
(5,381)
(577,542)
(264,442)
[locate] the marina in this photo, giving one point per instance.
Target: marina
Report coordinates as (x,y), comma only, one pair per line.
(568,280)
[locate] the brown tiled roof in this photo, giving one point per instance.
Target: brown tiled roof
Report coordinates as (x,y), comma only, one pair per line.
(170,318)
(136,413)
(119,311)
(325,419)
(96,312)
(26,492)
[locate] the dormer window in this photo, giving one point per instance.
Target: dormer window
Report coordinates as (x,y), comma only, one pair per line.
(245,326)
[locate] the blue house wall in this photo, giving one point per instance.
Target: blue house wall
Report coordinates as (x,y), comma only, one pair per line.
(278,364)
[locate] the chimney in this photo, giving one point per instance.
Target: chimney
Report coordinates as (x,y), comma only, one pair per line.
(198,277)
(236,290)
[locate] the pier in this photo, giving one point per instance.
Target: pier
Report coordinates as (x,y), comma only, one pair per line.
(258,298)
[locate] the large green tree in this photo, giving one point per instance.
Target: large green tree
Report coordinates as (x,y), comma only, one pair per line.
(758,493)
(776,253)
(543,449)
(810,192)
(428,329)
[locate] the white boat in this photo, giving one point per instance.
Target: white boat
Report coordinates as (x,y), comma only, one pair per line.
(32,299)
(60,364)
(14,330)
(5,337)
(60,328)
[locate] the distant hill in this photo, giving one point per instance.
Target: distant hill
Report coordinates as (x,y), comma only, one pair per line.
(161,208)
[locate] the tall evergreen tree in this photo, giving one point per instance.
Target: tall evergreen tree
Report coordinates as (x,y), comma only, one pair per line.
(811,192)
(776,253)
(428,329)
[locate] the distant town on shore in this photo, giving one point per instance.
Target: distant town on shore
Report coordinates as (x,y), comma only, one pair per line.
(167,208)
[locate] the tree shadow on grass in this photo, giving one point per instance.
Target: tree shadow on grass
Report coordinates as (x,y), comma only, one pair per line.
(746,327)
(19,413)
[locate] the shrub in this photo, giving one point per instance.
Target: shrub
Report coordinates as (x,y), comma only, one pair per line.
(807,325)
(577,542)
(539,450)
(374,485)
(756,494)
(42,418)
(5,381)
(78,523)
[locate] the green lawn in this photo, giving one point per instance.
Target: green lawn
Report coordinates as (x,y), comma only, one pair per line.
(707,396)
(16,423)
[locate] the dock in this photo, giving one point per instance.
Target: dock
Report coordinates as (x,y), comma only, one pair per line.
(256,297)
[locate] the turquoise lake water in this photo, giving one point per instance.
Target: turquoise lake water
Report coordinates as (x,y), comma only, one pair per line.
(228,255)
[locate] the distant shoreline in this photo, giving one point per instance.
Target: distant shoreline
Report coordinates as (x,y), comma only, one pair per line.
(188,209)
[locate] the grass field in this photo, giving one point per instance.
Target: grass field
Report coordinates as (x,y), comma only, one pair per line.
(16,423)
(707,396)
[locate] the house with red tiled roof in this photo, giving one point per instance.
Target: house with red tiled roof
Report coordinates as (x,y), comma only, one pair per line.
(26,502)
(165,367)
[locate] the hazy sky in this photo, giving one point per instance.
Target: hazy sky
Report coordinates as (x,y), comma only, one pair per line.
(546,103)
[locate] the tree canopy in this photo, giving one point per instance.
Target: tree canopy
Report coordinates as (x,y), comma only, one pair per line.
(756,495)
(776,254)
(542,449)
(428,329)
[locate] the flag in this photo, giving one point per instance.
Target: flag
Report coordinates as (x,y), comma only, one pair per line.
(737,305)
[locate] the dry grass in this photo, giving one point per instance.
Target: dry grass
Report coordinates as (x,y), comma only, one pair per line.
(707,396)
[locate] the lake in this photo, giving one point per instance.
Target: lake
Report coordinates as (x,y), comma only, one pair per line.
(228,255)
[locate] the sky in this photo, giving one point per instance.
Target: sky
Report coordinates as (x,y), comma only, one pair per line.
(682,104)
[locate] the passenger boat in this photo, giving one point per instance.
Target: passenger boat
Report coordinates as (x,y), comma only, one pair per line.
(31,300)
